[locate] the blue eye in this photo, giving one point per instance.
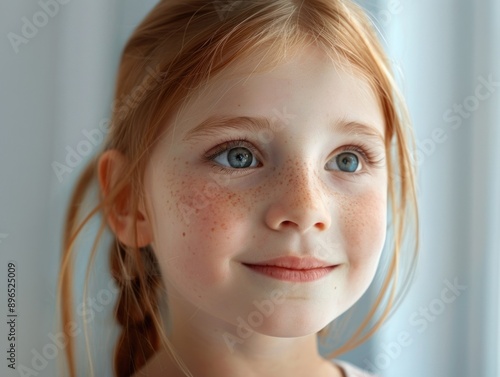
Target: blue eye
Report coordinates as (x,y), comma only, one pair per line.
(239,157)
(347,162)
(239,154)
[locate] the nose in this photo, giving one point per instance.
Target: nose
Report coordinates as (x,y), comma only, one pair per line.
(299,202)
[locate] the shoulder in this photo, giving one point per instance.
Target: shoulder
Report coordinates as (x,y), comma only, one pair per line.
(351,370)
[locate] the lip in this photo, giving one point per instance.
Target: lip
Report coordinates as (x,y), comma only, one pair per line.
(293,269)
(295,263)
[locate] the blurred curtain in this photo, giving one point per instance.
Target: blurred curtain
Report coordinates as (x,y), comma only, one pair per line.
(448,56)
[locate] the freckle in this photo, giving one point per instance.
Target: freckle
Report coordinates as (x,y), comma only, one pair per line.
(213,229)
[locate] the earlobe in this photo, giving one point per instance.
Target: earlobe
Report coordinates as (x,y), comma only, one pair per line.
(120,214)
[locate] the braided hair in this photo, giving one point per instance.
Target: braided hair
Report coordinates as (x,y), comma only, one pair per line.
(139,280)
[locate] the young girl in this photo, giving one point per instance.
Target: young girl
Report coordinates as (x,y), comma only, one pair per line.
(257,154)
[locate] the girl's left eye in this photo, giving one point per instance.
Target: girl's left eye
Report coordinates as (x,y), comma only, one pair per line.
(241,155)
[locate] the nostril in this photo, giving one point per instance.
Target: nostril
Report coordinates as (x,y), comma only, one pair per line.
(288,223)
(321,226)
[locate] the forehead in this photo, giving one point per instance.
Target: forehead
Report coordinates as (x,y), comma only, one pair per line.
(308,84)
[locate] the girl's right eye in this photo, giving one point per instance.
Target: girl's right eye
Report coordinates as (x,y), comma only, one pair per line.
(239,153)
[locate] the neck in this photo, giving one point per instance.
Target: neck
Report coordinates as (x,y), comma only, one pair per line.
(261,356)
(212,347)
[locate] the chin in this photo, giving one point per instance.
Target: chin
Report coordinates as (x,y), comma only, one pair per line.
(293,327)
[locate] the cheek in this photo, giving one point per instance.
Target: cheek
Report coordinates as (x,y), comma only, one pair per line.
(199,228)
(365,230)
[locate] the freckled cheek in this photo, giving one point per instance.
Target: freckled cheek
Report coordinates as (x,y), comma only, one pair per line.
(211,227)
(365,229)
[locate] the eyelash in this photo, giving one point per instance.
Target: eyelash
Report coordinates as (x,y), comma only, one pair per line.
(366,154)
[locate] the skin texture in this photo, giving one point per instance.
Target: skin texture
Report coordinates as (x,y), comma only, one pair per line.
(293,200)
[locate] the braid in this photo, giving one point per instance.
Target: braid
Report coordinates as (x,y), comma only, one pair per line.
(137,307)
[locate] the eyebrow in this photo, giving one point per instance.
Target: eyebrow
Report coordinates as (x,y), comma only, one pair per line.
(216,124)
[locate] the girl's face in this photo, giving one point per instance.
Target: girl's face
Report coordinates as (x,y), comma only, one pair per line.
(313,183)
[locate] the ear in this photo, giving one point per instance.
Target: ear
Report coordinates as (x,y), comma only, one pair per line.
(120,216)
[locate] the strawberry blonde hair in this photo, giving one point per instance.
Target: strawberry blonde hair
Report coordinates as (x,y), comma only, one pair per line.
(186,44)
